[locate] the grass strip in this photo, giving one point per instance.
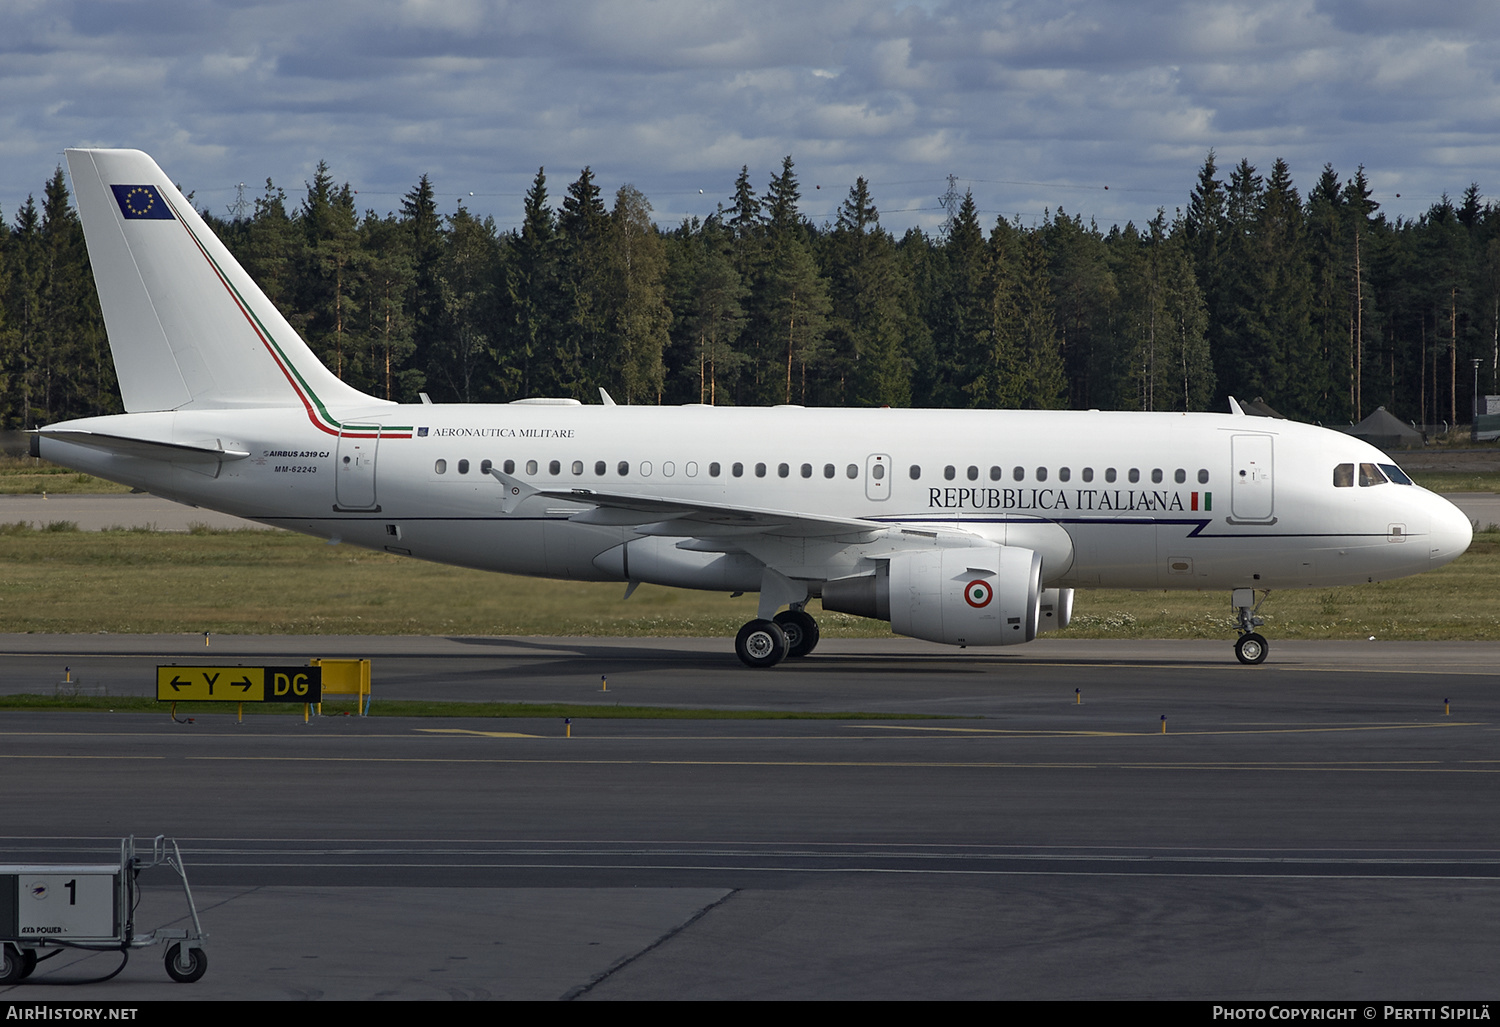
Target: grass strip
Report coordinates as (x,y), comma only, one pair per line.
(280,583)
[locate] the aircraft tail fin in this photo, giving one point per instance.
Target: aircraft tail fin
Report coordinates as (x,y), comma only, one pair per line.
(188,327)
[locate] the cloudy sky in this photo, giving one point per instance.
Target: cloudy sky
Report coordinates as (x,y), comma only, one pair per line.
(1104,107)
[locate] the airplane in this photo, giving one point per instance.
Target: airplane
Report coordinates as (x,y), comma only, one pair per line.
(965,527)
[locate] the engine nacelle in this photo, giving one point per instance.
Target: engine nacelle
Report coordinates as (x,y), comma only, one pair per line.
(978,595)
(1056,609)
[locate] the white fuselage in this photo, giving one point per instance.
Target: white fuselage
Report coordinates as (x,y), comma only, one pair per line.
(1108,499)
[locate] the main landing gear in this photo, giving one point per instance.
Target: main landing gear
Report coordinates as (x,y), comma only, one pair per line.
(1251,646)
(765,643)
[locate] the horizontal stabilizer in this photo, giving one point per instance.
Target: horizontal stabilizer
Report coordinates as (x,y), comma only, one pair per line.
(148,449)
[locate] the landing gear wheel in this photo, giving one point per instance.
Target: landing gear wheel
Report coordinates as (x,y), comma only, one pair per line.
(801,632)
(12,964)
(190,971)
(761,643)
(1251,648)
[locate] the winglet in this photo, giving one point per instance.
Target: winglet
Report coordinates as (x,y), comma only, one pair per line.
(609,402)
(1235,408)
(516,490)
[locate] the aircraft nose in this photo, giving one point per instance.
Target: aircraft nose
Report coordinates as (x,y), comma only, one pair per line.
(1451,533)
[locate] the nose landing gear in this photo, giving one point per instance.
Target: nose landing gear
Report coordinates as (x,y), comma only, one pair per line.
(1251,647)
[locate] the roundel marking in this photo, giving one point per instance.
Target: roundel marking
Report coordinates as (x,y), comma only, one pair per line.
(978,594)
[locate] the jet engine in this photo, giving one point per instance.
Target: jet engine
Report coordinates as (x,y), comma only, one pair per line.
(977,595)
(1056,609)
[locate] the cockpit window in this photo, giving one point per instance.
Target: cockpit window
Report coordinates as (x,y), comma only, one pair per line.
(1369,474)
(1396,474)
(1343,476)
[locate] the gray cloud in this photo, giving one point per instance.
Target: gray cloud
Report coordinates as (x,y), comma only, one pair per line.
(1032,104)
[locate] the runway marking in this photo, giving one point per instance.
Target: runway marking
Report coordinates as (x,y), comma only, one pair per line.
(1002,662)
(1332,873)
(1385,766)
(1064,733)
(481,734)
(19,756)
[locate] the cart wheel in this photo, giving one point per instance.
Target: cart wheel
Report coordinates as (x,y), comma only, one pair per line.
(186,973)
(12,966)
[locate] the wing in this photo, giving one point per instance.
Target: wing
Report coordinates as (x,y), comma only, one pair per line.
(684,518)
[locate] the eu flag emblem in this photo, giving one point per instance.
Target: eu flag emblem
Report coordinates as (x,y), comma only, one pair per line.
(142,202)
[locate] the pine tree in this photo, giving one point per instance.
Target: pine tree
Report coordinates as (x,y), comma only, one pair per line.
(707,298)
(531,330)
(962,311)
(640,315)
(583,357)
(425,303)
(1084,293)
(333,277)
(465,360)
(388,282)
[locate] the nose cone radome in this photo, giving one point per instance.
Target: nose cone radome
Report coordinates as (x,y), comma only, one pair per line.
(1451,533)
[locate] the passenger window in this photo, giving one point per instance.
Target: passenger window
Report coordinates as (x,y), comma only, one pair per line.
(1018,473)
(760,470)
(852,471)
(829,470)
(1343,476)
(577,466)
(916,472)
(950,472)
(782,470)
(1369,474)
(996,474)
(668,468)
(463,467)
(600,467)
(441,467)
(1088,474)
(878,472)
(510,467)
(1180,476)
(531,467)
(1063,474)
(738,470)
(624,468)
(1203,476)
(692,468)
(1109,474)
(485,465)
(1135,475)
(555,467)
(645,468)
(807,470)
(1156,476)
(1041,474)
(713,469)
(973,473)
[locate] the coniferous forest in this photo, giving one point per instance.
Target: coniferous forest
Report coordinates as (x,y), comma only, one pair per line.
(1318,303)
